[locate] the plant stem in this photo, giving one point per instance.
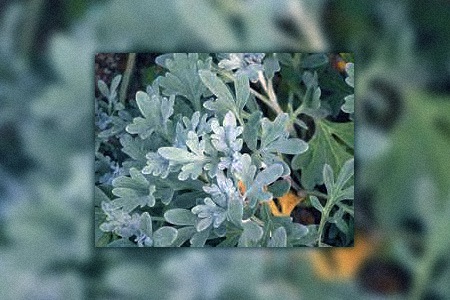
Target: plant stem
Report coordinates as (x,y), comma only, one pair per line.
(28,38)
(435,247)
(255,93)
(256,220)
(422,276)
(126,77)
(262,98)
(317,194)
(323,219)
(268,88)
(307,24)
(159,219)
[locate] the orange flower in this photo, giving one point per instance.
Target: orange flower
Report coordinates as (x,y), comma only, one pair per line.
(338,63)
(337,264)
(241,187)
(287,204)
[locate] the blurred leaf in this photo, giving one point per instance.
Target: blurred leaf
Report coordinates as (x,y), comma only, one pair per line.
(103,239)
(328,178)
(247,174)
(157,165)
(420,150)
(311,99)
(137,148)
(289,146)
(210,24)
(177,154)
(224,138)
(271,131)
(297,232)
(122,243)
(274,137)
(346,172)
(349,105)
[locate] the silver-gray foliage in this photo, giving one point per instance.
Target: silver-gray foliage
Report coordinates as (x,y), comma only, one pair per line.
(185,169)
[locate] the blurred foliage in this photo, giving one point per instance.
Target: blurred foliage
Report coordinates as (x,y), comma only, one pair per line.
(402,92)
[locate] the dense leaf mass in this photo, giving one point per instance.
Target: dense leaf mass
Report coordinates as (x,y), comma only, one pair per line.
(203,156)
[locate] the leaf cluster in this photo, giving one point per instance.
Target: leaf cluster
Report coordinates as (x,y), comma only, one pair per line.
(202,157)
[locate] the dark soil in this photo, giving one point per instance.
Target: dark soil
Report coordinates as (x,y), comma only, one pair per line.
(108,65)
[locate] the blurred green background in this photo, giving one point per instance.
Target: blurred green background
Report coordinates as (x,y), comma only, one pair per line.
(402,118)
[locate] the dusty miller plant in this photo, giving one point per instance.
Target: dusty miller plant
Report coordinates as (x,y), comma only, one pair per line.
(210,142)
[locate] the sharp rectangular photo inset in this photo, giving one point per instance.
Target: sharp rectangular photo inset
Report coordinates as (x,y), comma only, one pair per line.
(224,150)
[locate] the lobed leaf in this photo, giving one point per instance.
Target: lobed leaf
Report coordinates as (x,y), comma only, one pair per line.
(133,191)
(329,145)
(184,234)
(235,210)
(251,130)
(146,224)
(179,216)
(288,146)
(251,234)
(182,78)
(199,238)
(156,111)
(177,155)
(242,88)
(156,165)
(271,66)
(103,88)
(256,191)
(164,236)
(279,188)
(271,131)
(279,238)
(346,173)
(115,82)
(328,178)
(315,60)
(316,203)
(224,101)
